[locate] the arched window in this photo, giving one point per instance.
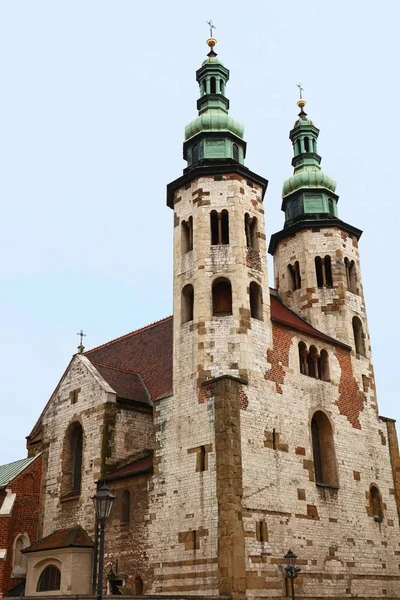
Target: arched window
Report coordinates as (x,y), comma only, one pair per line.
(138,586)
(195,153)
(318,271)
(251,229)
(19,560)
(312,361)
(222,297)
(187,303)
(323,450)
(303,353)
(376,503)
(219,227)
(225,227)
(358,334)
(235,152)
(328,271)
(307,144)
(72,459)
(330,207)
(296,206)
(294,276)
(49,580)
(222,86)
(324,366)
(256,302)
(323,270)
(351,275)
(214,227)
(213,86)
(187,235)
(125,507)
(298,147)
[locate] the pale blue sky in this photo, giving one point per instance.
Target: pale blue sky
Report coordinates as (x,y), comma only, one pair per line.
(94,98)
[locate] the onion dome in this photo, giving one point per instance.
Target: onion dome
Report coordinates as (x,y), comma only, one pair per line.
(309,193)
(214,136)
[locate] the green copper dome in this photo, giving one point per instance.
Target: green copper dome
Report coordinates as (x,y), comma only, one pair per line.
(308,176)
(213,119)
(214,136)
(309,194)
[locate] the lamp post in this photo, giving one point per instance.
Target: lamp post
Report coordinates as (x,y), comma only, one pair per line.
(291,571)
(103,501)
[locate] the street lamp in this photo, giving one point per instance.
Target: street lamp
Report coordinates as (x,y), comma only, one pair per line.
(291,571)
(103,501)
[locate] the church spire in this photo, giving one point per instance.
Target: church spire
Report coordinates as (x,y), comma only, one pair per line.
(214,137)
(309,194)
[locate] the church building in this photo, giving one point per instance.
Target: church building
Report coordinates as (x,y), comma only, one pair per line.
(243,425)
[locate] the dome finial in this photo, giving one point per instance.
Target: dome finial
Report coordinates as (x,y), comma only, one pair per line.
(301,103)
(211,40)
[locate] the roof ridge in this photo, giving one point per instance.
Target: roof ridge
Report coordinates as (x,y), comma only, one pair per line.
(129,334)
(108,366)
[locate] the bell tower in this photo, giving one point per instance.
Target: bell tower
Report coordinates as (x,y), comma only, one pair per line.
(221,331)
(221,294)
(316,256)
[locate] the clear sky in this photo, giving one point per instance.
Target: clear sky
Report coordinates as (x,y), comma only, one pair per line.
(94,98)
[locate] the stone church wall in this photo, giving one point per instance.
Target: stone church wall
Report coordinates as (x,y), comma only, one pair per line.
(332,530)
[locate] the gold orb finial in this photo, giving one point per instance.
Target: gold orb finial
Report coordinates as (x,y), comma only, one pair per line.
(211,42)
(301,103)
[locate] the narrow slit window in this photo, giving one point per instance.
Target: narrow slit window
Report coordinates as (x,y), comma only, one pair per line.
(214,227)
(328,271)
(358,336)
(202,458)
(303,353)
(318,271)
(376,503)
(224,227)
(213,86)
(256,303)
(307,144)
(235,152)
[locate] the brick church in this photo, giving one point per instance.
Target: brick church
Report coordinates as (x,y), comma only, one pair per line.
(245,424)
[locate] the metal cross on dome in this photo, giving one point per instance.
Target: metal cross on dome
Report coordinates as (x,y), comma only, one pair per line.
(210,23)
(301,90)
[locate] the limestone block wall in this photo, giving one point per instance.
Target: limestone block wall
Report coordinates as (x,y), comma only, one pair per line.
(329,309)
(342,550)
(88,410)
(134,431)
(224,344)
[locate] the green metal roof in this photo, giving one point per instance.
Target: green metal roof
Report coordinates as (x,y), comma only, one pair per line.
(10,471)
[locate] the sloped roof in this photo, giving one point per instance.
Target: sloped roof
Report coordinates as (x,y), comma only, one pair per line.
(11,470)
(74,537)
(283,315)
(125,383)
(143,465)
(138,366)
(147,351)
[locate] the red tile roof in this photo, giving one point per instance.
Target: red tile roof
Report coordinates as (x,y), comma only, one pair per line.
(147,351)
(75,537)
(283,315)
(125,383)
(143,465)
(140,363)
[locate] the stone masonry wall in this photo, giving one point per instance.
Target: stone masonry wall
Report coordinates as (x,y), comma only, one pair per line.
(342,550)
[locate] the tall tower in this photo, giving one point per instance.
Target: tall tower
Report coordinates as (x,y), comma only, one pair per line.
(221,332)
(316,257)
